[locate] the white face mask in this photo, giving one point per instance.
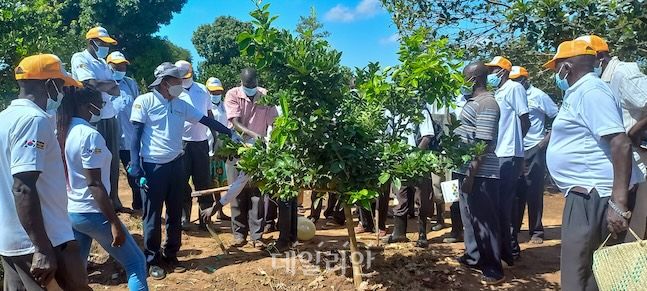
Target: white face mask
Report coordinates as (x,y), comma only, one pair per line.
(215,99)
(186,83)
(51,103)
(93,117)
(175,90)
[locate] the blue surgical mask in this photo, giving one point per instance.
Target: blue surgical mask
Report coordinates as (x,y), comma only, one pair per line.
(598,70)
(118,75)
(53,104)
(494,80)
(561,83)
(101,51)
(215,99)
(250,92)
(467,90)
(93,117)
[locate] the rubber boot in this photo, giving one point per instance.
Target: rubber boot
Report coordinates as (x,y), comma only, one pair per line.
(422,233)
(399,230)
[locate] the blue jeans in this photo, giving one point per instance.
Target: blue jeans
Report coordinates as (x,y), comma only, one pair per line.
(89,226)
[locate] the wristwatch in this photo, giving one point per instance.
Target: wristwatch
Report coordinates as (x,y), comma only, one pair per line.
(624,214)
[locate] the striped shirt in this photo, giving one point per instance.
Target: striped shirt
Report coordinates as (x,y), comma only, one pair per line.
(480,122)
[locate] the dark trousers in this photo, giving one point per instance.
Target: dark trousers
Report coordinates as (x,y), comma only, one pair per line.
(248,214)
(510,170)
(163,189)
(480,214)
(124,156)
(196,169)
(70,274)
(271,210)
(437,198)
(530,190)
(380,206)
(287,223)
(638,221)
(111,132)
(408,193)
(333,208)
(584,228)
(457,221)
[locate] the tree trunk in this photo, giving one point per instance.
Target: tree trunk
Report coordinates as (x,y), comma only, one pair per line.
(354,254)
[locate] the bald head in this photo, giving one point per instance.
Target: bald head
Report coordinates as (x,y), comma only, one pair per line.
(249,78)
(476,73)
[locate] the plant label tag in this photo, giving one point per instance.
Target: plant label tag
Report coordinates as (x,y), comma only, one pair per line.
(450,191)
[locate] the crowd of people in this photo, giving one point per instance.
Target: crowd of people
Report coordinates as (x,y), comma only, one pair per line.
(66,135)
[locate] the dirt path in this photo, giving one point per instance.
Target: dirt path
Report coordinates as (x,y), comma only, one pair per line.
(321,264)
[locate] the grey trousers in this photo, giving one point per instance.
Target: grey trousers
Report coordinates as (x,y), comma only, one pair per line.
(70,274)
(109,129)
(584,228)
(248,214)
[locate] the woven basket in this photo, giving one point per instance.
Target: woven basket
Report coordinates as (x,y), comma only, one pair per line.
(621,267)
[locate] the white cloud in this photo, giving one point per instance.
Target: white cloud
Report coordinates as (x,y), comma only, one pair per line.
(394,38)
(364,9)
(340,13)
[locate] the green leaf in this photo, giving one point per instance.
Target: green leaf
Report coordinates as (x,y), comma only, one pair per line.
(397,184)
(384,177)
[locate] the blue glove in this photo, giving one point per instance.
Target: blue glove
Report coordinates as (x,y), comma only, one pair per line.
(143,183)
(134,170)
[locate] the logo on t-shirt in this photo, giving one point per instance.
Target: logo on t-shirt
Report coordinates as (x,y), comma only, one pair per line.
(35,144)
(138,106)
(93,151)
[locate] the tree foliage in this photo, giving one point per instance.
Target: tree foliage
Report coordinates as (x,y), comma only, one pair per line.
(527,31)
(329,136)
(309,26)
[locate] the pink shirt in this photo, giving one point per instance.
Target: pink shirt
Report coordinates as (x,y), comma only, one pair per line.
(256,118)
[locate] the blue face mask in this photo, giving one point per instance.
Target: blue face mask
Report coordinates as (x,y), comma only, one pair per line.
(466,90)
(101,51)
(598,70)
(494,80)
(118,75)
(215,99)
(562,83)
(250,92)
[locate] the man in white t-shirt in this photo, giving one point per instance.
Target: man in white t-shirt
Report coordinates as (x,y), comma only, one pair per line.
(90,68)
(513,126)
(589,157)
(531,184)
(37,242)
(157,162)
(196,145)
(629,85)
(216,164)
(123,105)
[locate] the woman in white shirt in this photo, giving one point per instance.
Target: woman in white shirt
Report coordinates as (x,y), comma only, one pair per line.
(90,210)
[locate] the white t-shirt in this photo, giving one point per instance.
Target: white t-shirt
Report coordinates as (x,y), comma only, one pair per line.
(86,67)
(540,105)
(198,97)
(163,125)
(577,155)
(85,148)
(28,144)
(513,103)
(414,131)
(219,115)
(123,104)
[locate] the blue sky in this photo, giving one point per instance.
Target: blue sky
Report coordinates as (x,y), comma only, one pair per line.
(361,29)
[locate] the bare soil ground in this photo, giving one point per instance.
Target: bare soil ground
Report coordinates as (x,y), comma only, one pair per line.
(322,262)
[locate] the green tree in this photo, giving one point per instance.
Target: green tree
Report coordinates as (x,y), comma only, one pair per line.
(216,43)
(157,50)
(527,31)
(309,26)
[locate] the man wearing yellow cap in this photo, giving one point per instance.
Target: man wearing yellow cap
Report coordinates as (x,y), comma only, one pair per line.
(531,185)
(589,158)
(37,243)
(123,105)
(90,68)
(196,144)
(629,85)
(513,126)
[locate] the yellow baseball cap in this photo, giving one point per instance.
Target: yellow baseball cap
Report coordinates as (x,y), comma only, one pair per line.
(117,57)
(595,42)
(43,67)
(100,33)
(518,72)
(500,62)
(186,68)
(214,84)
(569,49)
